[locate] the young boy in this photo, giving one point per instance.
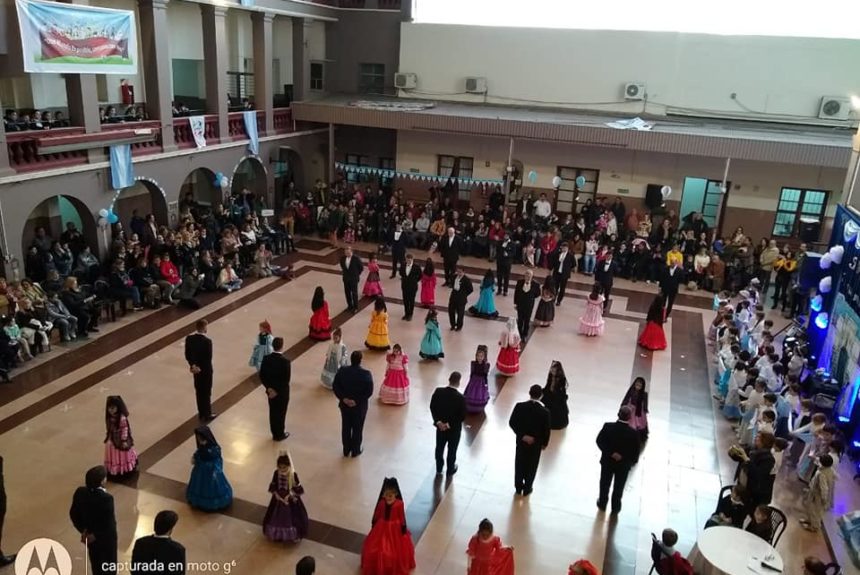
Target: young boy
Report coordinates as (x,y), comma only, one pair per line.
(778,452)
(783,412)
(760,525)
(663,550)
(731,510)
(819,497)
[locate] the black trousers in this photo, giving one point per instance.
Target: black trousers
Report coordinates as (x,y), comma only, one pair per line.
(450,265)
(524,320)
(670,301)
(560,282)
(526,465)
(451,438)
(398,261)
(608,473)
(103,556)
(409,301)
(278,415)
(203,393)
(2,520)
(350,288)
(456,311)
(503,276)
(606,291)
(352,428)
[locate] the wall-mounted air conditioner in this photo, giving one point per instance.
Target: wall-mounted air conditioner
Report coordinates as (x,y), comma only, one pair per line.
(634,91)
(476,85)
(405,81)
(834,108)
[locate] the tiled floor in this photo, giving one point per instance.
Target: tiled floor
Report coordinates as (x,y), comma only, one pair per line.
(51,421)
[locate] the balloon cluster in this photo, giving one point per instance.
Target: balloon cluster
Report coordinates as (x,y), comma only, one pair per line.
(825,285)
(107,217)
(221,181)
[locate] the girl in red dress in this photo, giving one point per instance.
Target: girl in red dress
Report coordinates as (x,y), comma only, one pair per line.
(508,362)
(653,337)
(582,567)
(486,554)
(388,549)
(120,456)
(319,327)
(428,284)
(372,287)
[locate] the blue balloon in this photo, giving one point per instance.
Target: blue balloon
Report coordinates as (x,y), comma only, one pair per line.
(580,182)
(533,176)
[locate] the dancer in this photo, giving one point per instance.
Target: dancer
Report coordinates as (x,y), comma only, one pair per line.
(372,287)
(530,422)
(604,274)
(461,288)
(582,567)
(591,323)
(636,399)
(653,337)
(619,451)
(353,387)
(555,396)
(275,375)
(336,357)
(120,456)
(198,354)
(377,333)
(451,246)
(410,277)
(428,284)
(508,362)
(525,294)
(431,343)
(448,408)
(351,267)
(263,345)
(208,488)
(486,306)
(477,391)
(562,263)
(504,256)
(388,548)
(395,386)
(319,327)
(92,513)
(286,518)
(486,554)
(545,314)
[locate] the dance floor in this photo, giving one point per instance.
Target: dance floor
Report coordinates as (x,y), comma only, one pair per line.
(52,426)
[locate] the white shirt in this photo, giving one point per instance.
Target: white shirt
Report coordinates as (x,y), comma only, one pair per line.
(397,235)
(408,269)
(457,283)
(346,262)
(543,209)
(561,256)
(451,240)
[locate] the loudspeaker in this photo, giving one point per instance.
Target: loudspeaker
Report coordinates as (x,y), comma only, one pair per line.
(809,230)
(811,272)
(653,197)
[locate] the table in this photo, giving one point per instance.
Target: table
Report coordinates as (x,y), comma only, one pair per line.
(728,551)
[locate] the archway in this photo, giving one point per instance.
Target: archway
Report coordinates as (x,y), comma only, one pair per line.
(54,214)
(144,197)
(200,183)
(249,174)
(289,169)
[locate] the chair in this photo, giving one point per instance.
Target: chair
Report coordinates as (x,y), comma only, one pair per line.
(833,569)
(778,522)
(724,492)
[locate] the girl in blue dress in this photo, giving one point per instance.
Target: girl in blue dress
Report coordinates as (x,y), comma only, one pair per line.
(263,345)
(208,488)
(431,343)
(486,306)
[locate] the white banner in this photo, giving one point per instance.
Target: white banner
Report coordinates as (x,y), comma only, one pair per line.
(198,130)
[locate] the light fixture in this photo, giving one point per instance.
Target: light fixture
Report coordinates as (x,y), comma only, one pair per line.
(855,101)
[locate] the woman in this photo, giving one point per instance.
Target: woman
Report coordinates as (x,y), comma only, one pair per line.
(555,396)
(486,306)
(592,322)
(754,470)
(286,518)
(431,343)
(120,456)
(545,314)
(636,399)
(377,332)
(208,488)
(653,337)
(785,267)
(508,362)
(388,548)
(700,266)
(319,328)
(80,306)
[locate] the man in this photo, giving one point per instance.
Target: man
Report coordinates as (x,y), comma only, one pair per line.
(198,354)
(448,407)
(158,554)
(562,265)
(307,565)
(504,256)
(619,448)
(525,295)
(604,274)
(92,514)
(450,247)
(767,258)
(673,277)
(398,249)
(461,288)
(351,268)
(531,424)
(543,210)
(410,277)
(275,375)
(353,386)
(4,559)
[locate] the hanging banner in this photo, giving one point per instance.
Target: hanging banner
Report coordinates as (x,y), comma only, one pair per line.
(251,129)
(66,38)
(198,130)
(415,176)
(121,167)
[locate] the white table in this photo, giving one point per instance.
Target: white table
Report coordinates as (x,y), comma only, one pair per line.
(729,551)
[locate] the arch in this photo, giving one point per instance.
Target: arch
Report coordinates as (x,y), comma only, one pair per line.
(290,170)
(200,183)
(146,196)
(250,173)
(53,214)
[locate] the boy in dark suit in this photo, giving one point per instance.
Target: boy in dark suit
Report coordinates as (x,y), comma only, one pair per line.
(351,268)
(92,514)
(158,554)
(531,423)
(461,287)
(275,376)
(448,407)
(562,264)
(619,451)
(410,277)
(353,386)
(198,354)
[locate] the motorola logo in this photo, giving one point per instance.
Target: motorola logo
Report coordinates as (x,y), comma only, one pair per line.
(43,557)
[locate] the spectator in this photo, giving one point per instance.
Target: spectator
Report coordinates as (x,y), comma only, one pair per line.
(81,306)
(760,524)
(62,318)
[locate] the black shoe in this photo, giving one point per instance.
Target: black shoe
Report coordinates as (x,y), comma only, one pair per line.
(557,304)
(357,453)
(281,437)
(616,510)
(601,506)
(6,560)
(438,472)
(452,471)
(210,417)
(346,452)
(518,491)
(527,491)
(453,328)
(408,318)
(94,329)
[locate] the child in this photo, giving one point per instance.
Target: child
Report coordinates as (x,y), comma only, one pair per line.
(778,452)
(336,357)
(14,332)
(377,333)
(636,399)
(819,497)
(765,423)
(582,567)
(545,314)
(750,408)
(653,337)
(486,554)
(731,510)
(760,525)
(508,362)
(286,517)
(820,446)
(263,346)
(486,306)
(120,456)
(804,435)
(208,488)
(228,279)
(388,548)
(428,284)
(372,287)
(319,327)
(591,323)
(431,343)
(477,392)
(663,550)
(731,406)
(349,235)
(395,386)
(783,411)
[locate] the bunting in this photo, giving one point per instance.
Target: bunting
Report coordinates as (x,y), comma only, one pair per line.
(351,168)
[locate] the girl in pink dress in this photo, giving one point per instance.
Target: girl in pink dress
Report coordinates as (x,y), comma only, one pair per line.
(372,287)
(428,284)
(395,387)
(591,323)
(486,554)
(508,362)
(120,456)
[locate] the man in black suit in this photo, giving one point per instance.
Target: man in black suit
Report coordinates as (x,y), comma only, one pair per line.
(525,295)
(562,264)
(461,287)
(619,451)
(604,274)
(158,554)
(672,278)
(398,249)
(504,256)
(450,247)
(531,424)
(353,386)
(351,268)
(92,514)
(410,277)
(307,565)
(275,376)
(4,559)
(448,407)
(198,354)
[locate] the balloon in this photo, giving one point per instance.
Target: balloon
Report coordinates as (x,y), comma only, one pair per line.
(665,191)
(103,213)
(836,253)
(225,182)
(825,261)
(825,284)
(533,176)
(821,320)
(580,182)
(112,218)
(850,230)
(816,303)
(103,223)
(556,182)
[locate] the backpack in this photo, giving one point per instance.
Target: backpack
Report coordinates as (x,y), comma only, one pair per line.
(676,564)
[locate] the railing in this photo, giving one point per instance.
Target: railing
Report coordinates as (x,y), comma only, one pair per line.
(389,4)
(24,156)
(282,119)
(140,148)
(236,125)
(185,139)
(381,4)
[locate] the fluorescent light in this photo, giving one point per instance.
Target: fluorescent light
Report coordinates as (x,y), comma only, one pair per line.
(855,101)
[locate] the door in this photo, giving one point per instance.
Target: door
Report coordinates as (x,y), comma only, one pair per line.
(704,196)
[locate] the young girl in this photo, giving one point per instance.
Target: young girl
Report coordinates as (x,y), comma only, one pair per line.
(814,451)
(377,333)
(372,287)
(529,254)
(486,554)
(286,518)
(428,284)
(14,333)
(555,396)
(819,497)
(591,323)
(805,432)
(731,405)
(336,357)
(508,362)
(653,337)
(636,399)
(431,343)
(395,386)
(754,400)
(545,314)
(120,456)
(349,235)
(263,345)
(208,488)
(731,510)
(388,548)
(486,306)
(477,392)
(319,327)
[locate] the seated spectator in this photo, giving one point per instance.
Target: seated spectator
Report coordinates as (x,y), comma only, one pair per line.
(32,329)
(34,293)
(53,282)
(87,268)
(11,122)
(122,286)
(7,299)
(228,280)
(59,120)
(814,566)
(36,122)
(81,306)
(62,318)
(663,548)
(167,276)
(62,258)
(188,289)
(731,510)
(17,340)
(111,116)
(146,283)
(760,524)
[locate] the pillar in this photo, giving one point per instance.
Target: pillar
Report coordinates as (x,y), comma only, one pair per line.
(263,92)
(851,189)
(215,62)
(331,152)
(5,169)
(156,66)
(300,74)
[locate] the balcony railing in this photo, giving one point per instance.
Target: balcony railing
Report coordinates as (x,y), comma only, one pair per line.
(140,148)
(185,139)
(236,123)
(283,120)
(381,4)
(24,156)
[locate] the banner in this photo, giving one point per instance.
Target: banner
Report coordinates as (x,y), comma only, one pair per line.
(121,168)
(251,129)
(66,38)
(198,130)
(416,176)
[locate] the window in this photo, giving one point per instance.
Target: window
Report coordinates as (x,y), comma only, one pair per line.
(457,167)
(356,160)
(568,196)
(317,76)
(371,78)
(386,164)
(797,204)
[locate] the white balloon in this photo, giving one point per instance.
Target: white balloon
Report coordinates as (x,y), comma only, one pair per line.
(825,261)
(556,182)
(825,284)
(836,253)
(665,191)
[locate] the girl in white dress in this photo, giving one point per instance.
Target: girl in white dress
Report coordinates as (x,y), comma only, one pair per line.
(336,357)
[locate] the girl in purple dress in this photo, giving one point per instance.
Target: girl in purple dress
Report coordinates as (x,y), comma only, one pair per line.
(286,518)
(636,399)
(477,392)
(120,456)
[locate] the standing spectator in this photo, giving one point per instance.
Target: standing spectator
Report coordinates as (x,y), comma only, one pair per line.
(159,549)
(92,514)
(619,451)
(766,260)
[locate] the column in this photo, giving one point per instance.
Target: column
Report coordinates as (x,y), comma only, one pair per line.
(82,96)
(215,62)
(263,93)
(299,73)
(331,153)
(851,189)
(5,170)
(156,66)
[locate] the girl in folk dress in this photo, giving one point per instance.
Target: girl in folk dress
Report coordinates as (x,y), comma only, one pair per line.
(395,386)
(377,333)
(636,399)
(372,287)
(263,345)
(653,337)
(208,488)
(508,362)
(286,517)
(545,314)
(431,343)
(388,548)
(486,306)
(319,327)
(477,392)
(120,456)
(336,357)
(555,396)
(486,554)
(428,284)
(592,322)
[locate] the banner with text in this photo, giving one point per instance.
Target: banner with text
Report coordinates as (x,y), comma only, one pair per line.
(198,130)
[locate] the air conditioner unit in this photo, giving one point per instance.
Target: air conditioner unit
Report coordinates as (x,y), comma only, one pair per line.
(834,108)
(405,81)
(476,85)
(634,91)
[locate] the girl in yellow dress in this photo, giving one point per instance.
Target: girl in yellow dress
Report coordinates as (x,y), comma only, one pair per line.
(377,334)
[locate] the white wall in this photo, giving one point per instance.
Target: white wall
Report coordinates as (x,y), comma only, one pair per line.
(112,81)
(588,68)
(185,25)
(282,50)
(315,37)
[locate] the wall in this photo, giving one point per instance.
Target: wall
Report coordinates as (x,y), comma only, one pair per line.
(583,68)
(362,37)
(282,51)
(185,26)
(112,81)
(373,143)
